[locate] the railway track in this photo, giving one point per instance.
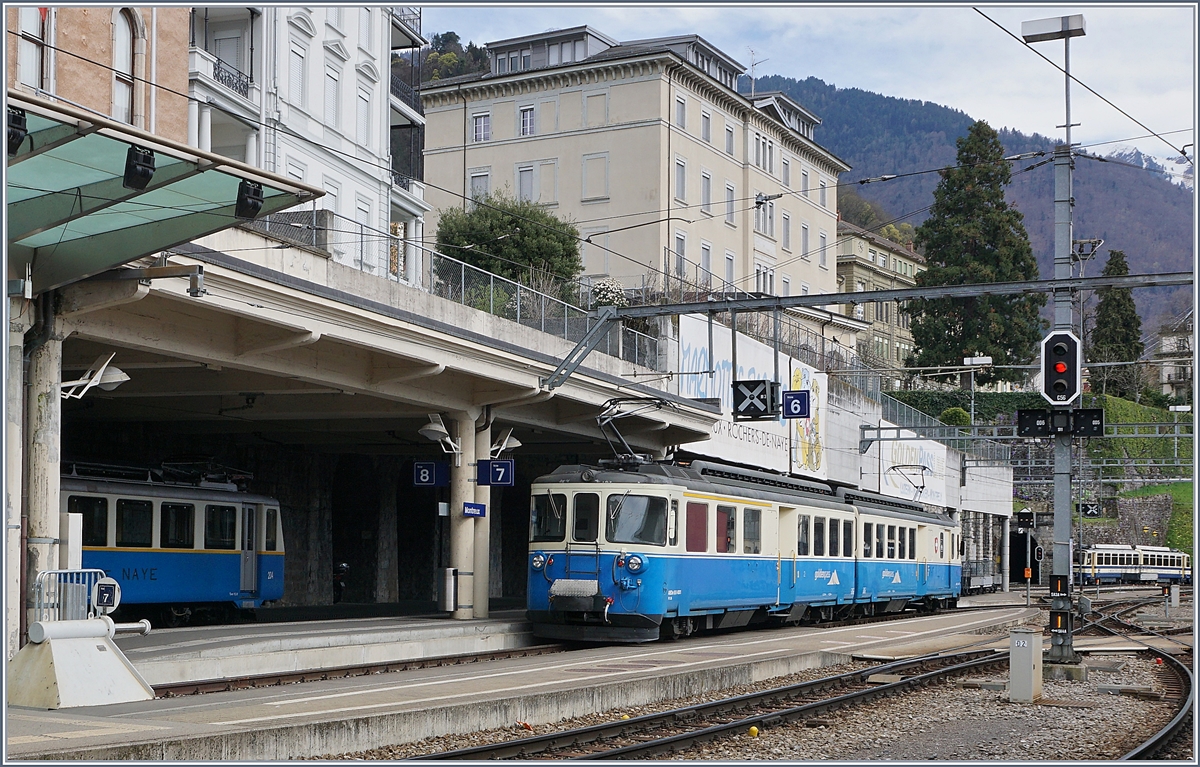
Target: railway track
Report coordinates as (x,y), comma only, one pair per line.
(343,672)
(681,728)
(1177,685)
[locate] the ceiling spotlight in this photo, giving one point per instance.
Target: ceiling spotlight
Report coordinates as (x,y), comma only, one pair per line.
(100,374)
(18,129)
(249,199)
(139,167)
(506,442)
(436,431)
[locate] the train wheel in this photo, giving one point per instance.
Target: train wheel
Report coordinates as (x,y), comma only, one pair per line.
(174,617)
(676,628)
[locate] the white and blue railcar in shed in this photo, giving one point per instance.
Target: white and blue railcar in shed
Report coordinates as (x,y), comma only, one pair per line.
(654,550)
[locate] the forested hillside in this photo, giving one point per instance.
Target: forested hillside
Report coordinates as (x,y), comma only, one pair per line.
(1131,209)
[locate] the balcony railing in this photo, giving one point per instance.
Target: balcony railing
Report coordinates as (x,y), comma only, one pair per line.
(407,94)
(231,78)
(410,16)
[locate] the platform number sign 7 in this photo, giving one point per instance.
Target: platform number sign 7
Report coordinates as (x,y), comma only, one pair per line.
(797,404)
(498,473)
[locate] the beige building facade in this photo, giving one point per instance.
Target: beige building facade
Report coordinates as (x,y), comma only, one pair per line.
(129,64)
(648,147)
(866,261)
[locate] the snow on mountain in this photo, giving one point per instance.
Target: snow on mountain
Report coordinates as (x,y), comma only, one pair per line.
(1176,169)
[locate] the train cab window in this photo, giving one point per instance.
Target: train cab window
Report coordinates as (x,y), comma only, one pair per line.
(220,524)
(752,531)
(726,529)
(819,537)
(587,517)
(891,542)
(847,538)
(636,519)
(271,538)
(177,525)
(135,522)
(900,536)
(867,528)
(548,518)
(912,543)
(95,518)
(833,538)
(696,527)
(802,536)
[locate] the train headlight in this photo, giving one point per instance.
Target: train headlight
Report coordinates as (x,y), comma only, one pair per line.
(538,561)
(634,563)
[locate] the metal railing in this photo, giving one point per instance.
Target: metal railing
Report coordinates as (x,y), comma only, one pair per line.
(908,417)
(410,16)
(63,595)
(231,78)
(406,93)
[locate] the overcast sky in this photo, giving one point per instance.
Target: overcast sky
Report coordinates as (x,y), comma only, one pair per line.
(1141,57)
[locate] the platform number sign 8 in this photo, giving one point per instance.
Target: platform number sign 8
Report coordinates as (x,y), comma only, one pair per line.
(423,473)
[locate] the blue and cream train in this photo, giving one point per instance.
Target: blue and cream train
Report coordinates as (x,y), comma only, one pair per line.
(667,549)
(1117,563)
(180,548)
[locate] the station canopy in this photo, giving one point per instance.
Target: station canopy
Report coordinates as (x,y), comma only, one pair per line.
(71,214)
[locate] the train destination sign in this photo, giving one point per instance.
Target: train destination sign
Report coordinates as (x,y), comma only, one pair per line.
(477,510)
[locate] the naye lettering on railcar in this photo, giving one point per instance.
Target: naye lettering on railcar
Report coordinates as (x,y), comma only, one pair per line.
(139,573)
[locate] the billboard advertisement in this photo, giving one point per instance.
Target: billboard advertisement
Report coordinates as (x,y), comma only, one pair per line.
(912,469)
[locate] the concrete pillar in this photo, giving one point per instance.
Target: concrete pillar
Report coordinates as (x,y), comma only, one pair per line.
(44,430)
(1004,554)
(252,148)
(462,529)
(193,123)
(19,320)
(205,132)
(387,568)
(414,255)
(482,560)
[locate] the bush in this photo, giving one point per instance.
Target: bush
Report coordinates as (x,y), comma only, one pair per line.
(955,416)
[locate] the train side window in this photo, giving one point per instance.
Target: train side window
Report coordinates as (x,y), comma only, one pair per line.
(726,529)
(942,545)
(802,536)
(696,533)
(548,518)
(891,542)
(833,538)
(271,537)
(135,522)
(880,533)
(673,524)
(867,527)
(900,536)
(912,543)
(847,538)
(220,525)
(751,531)
(819,537)
(587,517)
(177,525)
(95,517)
(636,519)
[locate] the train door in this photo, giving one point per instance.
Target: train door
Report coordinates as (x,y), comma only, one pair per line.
(787,554)
(249,548)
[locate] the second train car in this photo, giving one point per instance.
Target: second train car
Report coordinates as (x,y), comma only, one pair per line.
(663,550)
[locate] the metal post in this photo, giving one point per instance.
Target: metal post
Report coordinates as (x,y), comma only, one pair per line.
(972,396)
(1028,566)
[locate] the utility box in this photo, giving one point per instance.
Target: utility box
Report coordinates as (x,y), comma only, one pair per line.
(1024,665)
(1174,595)
(448,589)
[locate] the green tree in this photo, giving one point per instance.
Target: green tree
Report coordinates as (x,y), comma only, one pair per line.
(513,238)
(972,236)
(1116,335)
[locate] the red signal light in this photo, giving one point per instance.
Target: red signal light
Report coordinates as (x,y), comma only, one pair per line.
(1060,367)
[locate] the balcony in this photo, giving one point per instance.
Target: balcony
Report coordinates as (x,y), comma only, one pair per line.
(406,28)
(231,78)
(407,94)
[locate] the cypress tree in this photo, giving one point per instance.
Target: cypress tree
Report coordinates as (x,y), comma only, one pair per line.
(1116,335)
(972,236)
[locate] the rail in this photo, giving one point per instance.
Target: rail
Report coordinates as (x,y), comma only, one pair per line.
(1179,723)
(410,16)
(231,78)
(63,595)
(406,93)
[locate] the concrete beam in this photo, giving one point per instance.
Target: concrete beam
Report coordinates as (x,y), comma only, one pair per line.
(250,343)
(389,374)
(84,297)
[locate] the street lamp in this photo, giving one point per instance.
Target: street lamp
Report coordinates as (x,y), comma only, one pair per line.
(1057,28)
(974,362)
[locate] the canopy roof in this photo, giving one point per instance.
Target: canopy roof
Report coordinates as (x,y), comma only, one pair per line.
(71,217)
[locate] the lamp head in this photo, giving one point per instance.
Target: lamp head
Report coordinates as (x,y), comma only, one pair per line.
(435,430)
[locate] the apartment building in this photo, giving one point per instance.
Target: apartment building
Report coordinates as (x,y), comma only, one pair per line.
(1174,349)
(867,261)
(128,64)
(650,149)
(307,92)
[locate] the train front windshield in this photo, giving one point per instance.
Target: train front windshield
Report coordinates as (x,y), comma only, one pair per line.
(636,519)
(548,518)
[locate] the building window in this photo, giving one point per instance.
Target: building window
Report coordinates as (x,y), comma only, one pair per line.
(804,240)
(681,112)
(526,58)
(364,28)
(527,121)
(706,126)
(122,99)
(706,192)
(787,232)
(787,287)
(804,288)
(764,218)
(764,279)
(364,116)
(525,184)
(729,140)
(824,199)
(705,264)
(680,180)
(296,74)
(483,127)
(729,204)
(870,256)
(804,183)
(31,46)
(331,96)
(729,267)
(479,186)
(787,173)
(824,241)
(680,254)
(502,65)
